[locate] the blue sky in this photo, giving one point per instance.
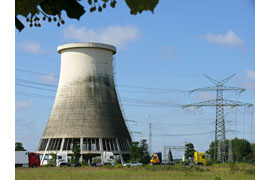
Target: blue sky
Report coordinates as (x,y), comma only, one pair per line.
(170,49)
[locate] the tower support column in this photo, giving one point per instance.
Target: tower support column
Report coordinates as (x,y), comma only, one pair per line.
(120,152)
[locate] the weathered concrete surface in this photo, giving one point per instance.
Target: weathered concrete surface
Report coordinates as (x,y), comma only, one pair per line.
(86,103)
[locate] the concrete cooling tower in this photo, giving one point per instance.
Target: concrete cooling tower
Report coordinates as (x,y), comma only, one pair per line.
(86,110)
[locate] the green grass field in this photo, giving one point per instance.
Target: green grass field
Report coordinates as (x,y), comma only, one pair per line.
(216,172)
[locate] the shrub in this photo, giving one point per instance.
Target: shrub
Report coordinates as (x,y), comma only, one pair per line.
(48,165)
(209,162)
(233,167)
(118,166)
(96,160)
(197,168)
(250,171)
(109,166)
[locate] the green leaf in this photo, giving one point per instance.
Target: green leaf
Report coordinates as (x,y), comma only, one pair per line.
(138,6)
(24,7)
(19,25)
(52,7)
(73,9)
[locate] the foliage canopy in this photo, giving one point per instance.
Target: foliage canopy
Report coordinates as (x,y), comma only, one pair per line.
(170,156)
(242,150)
(32,10)
(139,152)
(19,146)
(76,153)
(189,152)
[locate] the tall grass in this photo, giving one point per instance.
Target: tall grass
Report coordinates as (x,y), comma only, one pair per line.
(136,173)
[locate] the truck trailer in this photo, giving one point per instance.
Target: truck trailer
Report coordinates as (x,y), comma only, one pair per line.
(26,159)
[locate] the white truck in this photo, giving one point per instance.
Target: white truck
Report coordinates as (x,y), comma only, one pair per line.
(108,158)
(105,158)
(62,159)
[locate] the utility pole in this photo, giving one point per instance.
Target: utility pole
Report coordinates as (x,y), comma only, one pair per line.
(150,138)
(164,153)
(219,103)
(230,155)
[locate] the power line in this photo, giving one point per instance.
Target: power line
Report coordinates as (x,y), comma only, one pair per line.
(219,103)
(41,57)
(34,95)
(161,74)
(35,83)
(33,72)
(170,135)
(35,87)
(129,86)
(159,89)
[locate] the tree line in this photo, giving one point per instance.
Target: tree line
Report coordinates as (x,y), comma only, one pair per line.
(240,150)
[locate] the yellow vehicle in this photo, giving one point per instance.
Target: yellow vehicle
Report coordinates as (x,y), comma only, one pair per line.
(156,159)
(199,158)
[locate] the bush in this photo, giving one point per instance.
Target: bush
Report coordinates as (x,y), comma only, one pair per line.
(48,165)
(209,162)
(217,162)
(108,166)
(118,166)
(250,171)
(197,168)
(84,162)
(74,161)
(233,167)
(96,160)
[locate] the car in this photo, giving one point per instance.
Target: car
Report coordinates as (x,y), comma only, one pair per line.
(133,163)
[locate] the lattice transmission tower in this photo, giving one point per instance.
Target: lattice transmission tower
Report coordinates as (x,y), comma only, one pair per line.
(219,103)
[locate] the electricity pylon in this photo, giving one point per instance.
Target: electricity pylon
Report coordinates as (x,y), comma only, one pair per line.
(219,103)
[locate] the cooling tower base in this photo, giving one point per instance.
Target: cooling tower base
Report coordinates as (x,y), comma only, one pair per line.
(90,147)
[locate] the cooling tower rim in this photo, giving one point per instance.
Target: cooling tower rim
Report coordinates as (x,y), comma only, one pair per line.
(86,45)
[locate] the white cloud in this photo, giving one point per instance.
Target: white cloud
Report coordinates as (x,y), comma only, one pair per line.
(250,74)
(229,39)
(116,35)
(31,47)
(168,53)
(48,78)
(247,80)
(23,104)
